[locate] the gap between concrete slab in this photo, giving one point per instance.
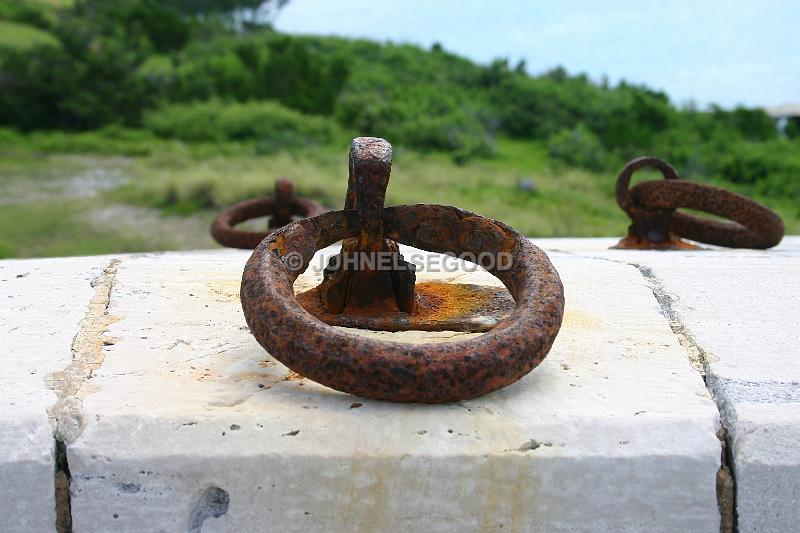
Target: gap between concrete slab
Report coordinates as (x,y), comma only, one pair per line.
(62,480)
(726,482)
(66,414)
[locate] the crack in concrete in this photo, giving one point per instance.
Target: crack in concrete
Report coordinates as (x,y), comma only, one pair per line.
(87,356)
(61,485)
(66,414)
(726,481)
(697,356)
(699,359)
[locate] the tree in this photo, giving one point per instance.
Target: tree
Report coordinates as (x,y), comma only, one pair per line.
(211,7)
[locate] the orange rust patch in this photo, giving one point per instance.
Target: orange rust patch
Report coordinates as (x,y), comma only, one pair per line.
(279,245)
(445,301)
(438,306)
(632,242)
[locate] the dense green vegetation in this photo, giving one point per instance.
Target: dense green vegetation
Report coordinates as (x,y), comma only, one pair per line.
(212,104)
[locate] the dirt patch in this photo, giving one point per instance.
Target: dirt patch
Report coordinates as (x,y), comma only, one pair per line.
(56,184)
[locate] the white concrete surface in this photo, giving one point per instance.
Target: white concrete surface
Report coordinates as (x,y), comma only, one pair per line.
(744,314)
(740,309)
(42,304)
(191,424)
(175,419)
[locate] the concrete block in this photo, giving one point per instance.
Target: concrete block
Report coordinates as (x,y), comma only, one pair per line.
(743,316)
(174,418)
(738,311)
(189,425)
(766,451)
(42,305)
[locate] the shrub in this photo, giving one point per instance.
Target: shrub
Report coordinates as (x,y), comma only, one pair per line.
(24,12)
(751,124)
(162,25)
(579,147)
(773,168)
(21,36)
(529,107)
(270,124)
(84,84)
(792,130)
(419,115)
(300,77)
(458,133)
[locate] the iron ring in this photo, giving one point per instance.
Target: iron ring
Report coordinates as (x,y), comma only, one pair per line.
(404,372)
(223,227)
(749,225)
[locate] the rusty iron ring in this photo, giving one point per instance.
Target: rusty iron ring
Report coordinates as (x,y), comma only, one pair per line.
(624,198)
(223,227)
(393,371)
(749,225)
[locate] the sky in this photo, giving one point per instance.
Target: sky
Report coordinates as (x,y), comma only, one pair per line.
(703,51)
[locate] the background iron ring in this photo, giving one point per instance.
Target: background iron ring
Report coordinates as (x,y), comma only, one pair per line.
(750,224)
(224,231)
(624,199)
(403,372)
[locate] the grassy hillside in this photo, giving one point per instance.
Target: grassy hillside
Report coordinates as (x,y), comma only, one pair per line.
(67,194)
(127,129)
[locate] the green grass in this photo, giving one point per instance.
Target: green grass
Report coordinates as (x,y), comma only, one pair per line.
(58,229)
(46,210)
(562,201)
(24,36)
(59,4)
(519,186)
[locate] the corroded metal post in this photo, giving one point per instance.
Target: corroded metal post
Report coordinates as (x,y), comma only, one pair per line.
(369,275)
(284,200)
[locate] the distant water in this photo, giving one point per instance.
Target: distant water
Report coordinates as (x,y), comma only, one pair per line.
(727,52)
